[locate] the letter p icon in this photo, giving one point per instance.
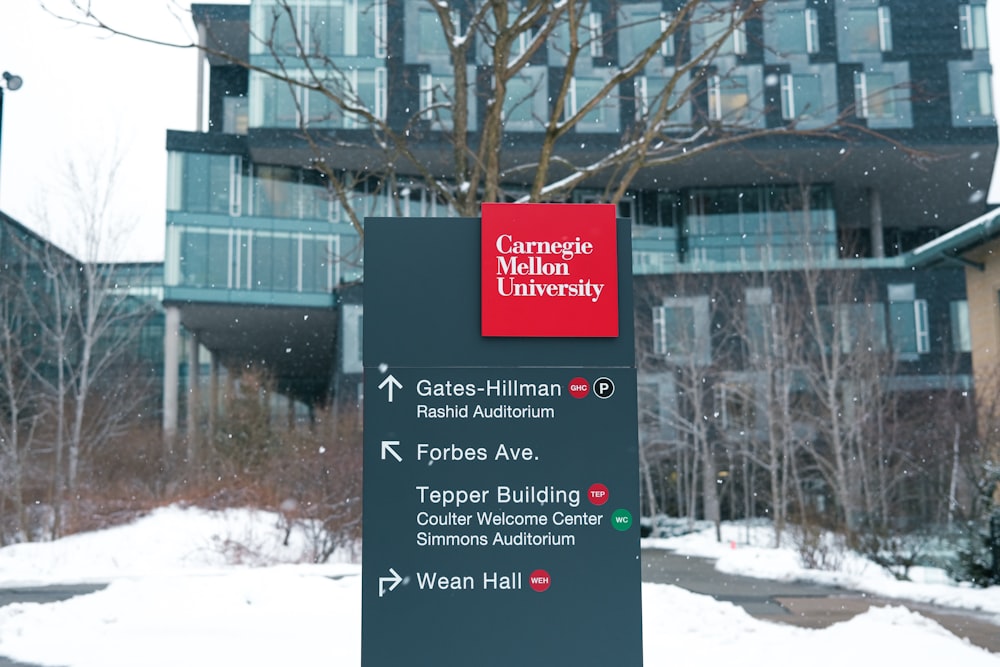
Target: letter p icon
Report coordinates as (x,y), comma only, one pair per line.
(604,387)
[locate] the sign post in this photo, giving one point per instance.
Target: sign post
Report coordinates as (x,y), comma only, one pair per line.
(501,449)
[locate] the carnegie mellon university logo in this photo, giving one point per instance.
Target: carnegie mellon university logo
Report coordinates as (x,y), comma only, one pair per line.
(549,270)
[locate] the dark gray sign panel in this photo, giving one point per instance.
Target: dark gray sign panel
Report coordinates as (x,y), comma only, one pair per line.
(501,475)
(421,298)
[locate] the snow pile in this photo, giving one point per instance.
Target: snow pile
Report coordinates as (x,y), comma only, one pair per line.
(170,540)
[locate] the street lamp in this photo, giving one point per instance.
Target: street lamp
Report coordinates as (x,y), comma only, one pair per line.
(11,82)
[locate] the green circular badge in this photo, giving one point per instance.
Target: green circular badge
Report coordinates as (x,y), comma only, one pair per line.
(621,519)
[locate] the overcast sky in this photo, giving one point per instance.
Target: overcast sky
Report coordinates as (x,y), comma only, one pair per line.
(86,97)
(85,93)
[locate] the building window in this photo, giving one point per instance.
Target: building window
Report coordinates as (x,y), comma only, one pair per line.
(256,260)
(430,35)
(735,408)
(801,96)
(972,26)
(236,177)
(589,36)
(728,98)
(681,330)
(277,100)
(522,110)
(595,34)
(517,105)
(524,34)
(855,326)
(603,117)
(908,322)
(875,95)
(316,265)
(975,96)
(649,89)
(643,102)
(235,114)
(277,103)
(717,27)
(961,334)
(330,28)
(658,210)
(795,31)
(287,192)
(321,111)
(371,90)
(436,95)
(882,95)
(657,401)
(643,27)
(869,30)
(650,419)
(759,311)
(327,27)
(767,224)
(274,262)
(204,257)
(275,192)
(205,183)
(381,28)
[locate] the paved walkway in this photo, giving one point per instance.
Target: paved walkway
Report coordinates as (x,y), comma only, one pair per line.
(799,603)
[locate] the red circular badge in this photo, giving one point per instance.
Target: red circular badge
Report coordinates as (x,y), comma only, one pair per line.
(539,580)
(598,494)
(579,387)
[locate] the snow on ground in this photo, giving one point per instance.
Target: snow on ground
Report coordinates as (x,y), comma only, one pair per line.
(172,540)
(196,588)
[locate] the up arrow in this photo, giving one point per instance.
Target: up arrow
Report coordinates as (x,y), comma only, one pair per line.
(387,446)
(393,581)
(391,382)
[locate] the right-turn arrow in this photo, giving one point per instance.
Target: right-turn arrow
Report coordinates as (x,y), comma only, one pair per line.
(393,581)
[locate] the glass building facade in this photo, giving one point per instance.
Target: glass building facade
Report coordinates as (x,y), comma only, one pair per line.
(856,59)
(251,221)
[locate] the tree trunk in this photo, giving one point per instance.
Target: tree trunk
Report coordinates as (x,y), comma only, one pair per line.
(647,479)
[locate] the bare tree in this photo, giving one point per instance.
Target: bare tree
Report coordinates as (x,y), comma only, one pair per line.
(88,319)
(21,364)
(848,372)
(475,104)
(687,355)
(770,330)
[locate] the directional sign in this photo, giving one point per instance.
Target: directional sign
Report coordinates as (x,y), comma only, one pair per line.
(500,498)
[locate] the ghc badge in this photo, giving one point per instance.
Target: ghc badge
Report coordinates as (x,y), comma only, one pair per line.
(549,270)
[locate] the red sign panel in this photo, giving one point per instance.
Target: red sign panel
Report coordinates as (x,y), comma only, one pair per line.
(549,270)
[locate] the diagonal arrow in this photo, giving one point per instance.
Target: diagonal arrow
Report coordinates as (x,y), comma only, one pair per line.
(387,446)
(393,581)
(390,381)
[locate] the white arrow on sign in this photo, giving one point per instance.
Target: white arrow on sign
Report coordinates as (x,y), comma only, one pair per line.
(393,581)
(387,446)
(391,382)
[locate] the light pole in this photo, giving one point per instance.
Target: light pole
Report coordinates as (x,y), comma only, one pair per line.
(11,82)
